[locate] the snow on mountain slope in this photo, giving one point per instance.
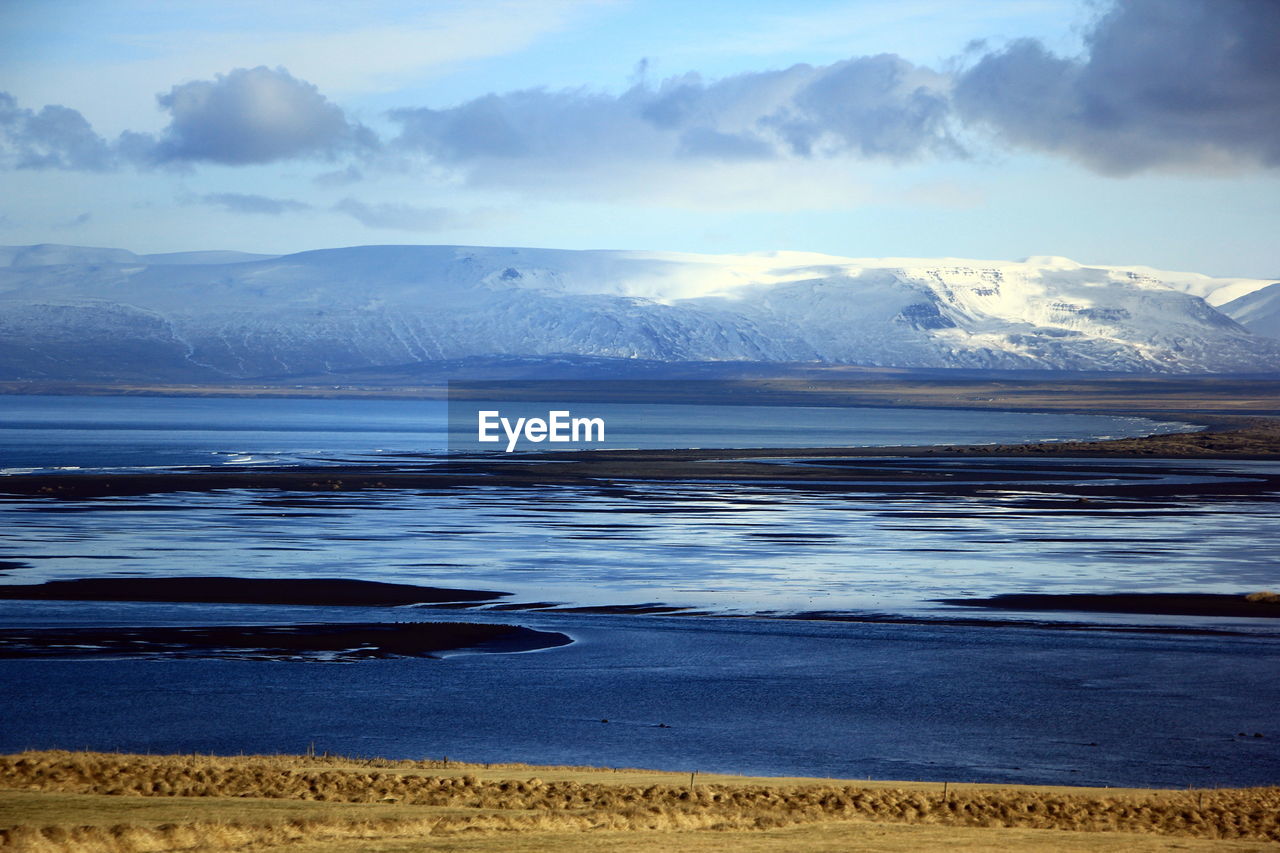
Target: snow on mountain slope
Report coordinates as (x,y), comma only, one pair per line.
(1216,291)
(1259,311)
(365,306)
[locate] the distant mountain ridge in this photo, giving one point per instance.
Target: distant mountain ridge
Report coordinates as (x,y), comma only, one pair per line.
(57,254)
(77,313)
(1258,310)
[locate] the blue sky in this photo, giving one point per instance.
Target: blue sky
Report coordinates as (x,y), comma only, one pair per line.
(1146,132)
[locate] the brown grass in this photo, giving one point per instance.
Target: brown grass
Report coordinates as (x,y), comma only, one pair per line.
(63,801)
(830,837)
(1264,597)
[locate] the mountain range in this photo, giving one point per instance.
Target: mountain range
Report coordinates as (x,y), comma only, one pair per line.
(90,314)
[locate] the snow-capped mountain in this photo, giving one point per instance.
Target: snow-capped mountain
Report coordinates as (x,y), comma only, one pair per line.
(1216,291)
(71,312)
(1258,310)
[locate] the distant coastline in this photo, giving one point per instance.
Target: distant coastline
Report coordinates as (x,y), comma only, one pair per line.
(746,383)
(1224,438)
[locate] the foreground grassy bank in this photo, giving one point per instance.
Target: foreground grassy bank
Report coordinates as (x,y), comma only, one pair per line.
(64,801)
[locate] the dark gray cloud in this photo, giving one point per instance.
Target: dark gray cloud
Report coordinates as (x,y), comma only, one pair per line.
(880,107)
(56,137)
(249,203)
(253,115)
(1175,83)
(399,217)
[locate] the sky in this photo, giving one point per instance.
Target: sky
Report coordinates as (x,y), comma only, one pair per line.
(1129,132)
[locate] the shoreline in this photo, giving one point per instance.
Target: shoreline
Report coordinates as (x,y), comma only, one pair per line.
(454,767)
(1256,439)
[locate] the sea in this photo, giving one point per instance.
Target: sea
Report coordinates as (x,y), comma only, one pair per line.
(812,640)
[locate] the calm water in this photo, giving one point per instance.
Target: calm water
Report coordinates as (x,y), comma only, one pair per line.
(847,701)
(742,694)
(39,432)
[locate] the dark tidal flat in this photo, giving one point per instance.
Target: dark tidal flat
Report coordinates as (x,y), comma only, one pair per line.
(1164,604)
(334,642)
(225,590)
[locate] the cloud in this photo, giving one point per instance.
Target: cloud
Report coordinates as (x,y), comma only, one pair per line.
(248,203)
(244,117)
(400,217)
(1166,83)
(54,138)
(1186,84)
(870,108)
(254,115)
(875,107)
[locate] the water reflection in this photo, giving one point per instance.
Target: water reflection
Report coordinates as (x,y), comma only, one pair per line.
(742,547)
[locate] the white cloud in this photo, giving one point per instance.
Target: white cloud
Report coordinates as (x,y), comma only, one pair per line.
(253,115)
(579,142)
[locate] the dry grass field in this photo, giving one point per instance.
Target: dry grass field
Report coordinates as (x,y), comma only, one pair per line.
(64,801)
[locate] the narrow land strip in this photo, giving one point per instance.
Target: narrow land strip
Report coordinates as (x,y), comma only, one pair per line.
(862,467)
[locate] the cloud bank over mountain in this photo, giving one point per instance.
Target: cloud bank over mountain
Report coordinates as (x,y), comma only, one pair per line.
(1184,84)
